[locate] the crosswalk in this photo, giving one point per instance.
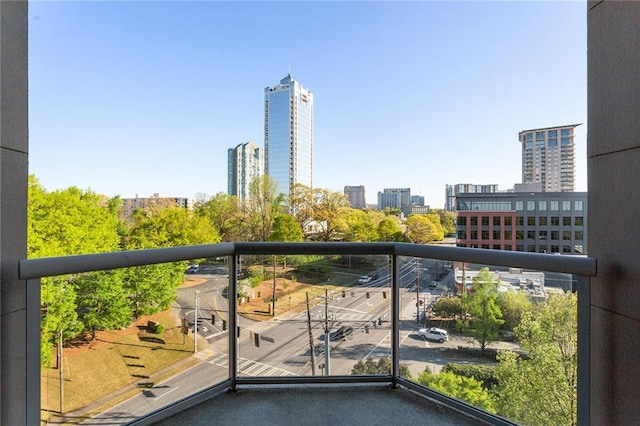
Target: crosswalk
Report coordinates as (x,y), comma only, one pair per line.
(249,367)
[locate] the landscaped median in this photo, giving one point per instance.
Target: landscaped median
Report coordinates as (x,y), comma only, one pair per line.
(113,367)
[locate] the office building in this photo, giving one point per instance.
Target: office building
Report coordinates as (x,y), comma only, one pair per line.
(288,134)
(540,222)
(395,198)
(548,156)
(245,163)
(464,188)
(356,196)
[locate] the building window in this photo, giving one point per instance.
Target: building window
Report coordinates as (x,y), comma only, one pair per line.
(565,132)
(531,206)
(566,235)
(485,235)
(508,234)
(531,248)
(507,221)
(566,206)
(542,205)
(553,205)
(485,220)
(474,221)
(531,221)
(578,221)
(496,246)
(462,220)
(496,221)
(539,136)
(578,249)
(566,220)
(508,247)
(528,137)
(519,247)
(542,235)
(555,249)
(485,246)
(542,249)
(555,221)
(555,235)
(496,235)
(519,221)
(462,235)
(542,221)
(578,235)
(519,205)
(474,235)
(519,235)
(578,206)
(566,248)
(531,235)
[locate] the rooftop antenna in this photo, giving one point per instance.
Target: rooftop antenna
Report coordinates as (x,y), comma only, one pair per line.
(289,71)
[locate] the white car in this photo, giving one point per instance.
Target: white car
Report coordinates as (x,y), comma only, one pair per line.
(433,333)
(364,279)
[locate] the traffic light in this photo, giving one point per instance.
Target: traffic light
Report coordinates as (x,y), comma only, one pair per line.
(344,293)
(213,319)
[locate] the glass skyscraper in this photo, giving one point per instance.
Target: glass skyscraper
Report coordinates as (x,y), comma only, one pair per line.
(288,134)
(245,163)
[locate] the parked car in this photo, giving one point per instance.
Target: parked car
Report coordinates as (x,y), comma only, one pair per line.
(343,333)
(434,333)
(192,269)
(364,279)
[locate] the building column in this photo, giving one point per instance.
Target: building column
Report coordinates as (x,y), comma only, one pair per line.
(16,380)
(613,160)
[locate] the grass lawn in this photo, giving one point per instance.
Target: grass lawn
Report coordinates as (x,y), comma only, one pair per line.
(113,361)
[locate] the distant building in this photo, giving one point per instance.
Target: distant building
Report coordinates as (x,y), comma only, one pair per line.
(395,198)
(417,200)
(541,222)
(464,188)
(129,205)
(288,134)
(245,163)
(356,196)
(548,157)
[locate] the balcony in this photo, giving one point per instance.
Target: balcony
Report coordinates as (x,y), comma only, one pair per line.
(293,358)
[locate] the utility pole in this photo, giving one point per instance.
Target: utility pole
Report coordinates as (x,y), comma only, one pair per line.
(313,353)
(417,292)
(327,330)
(273,295)
(195,324)
(60,363)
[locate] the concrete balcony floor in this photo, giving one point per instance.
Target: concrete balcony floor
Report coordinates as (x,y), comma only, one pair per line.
(326,405)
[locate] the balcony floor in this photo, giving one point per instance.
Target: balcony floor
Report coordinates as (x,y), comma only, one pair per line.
(327,405)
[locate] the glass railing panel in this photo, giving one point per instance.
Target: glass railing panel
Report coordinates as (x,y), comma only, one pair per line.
(118,345)
(503,340)
(312,315)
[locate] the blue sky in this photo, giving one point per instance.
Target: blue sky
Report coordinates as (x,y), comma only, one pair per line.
(141,97)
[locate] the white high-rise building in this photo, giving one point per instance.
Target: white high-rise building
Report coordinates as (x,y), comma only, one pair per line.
(548,157)
(288,134)
(245,163)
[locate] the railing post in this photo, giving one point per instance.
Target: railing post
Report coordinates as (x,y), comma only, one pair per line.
(395,321)
(233,320)
(34,315)
(584,349)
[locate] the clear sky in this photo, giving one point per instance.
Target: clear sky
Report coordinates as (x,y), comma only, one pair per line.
(142,97)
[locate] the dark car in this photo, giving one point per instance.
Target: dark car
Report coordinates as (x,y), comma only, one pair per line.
(343,333)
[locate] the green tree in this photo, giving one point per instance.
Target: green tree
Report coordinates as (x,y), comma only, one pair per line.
(224,213)
(359,226)
(421,229)
(447,307)
(513,305)
(463,388)
(152,288)
(329,212)
(285,228)
(548,376)
(263,206)
(389,230)
(447,219)
(482,305)
(102,301)
(382,366)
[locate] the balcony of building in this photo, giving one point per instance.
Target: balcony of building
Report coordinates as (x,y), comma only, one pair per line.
(295,367)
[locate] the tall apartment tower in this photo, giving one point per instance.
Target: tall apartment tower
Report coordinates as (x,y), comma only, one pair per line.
(548,157)
(355,195)
(288,134)
(395,198)
(245,162)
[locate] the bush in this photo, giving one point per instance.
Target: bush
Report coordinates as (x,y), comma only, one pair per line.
(485,374)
